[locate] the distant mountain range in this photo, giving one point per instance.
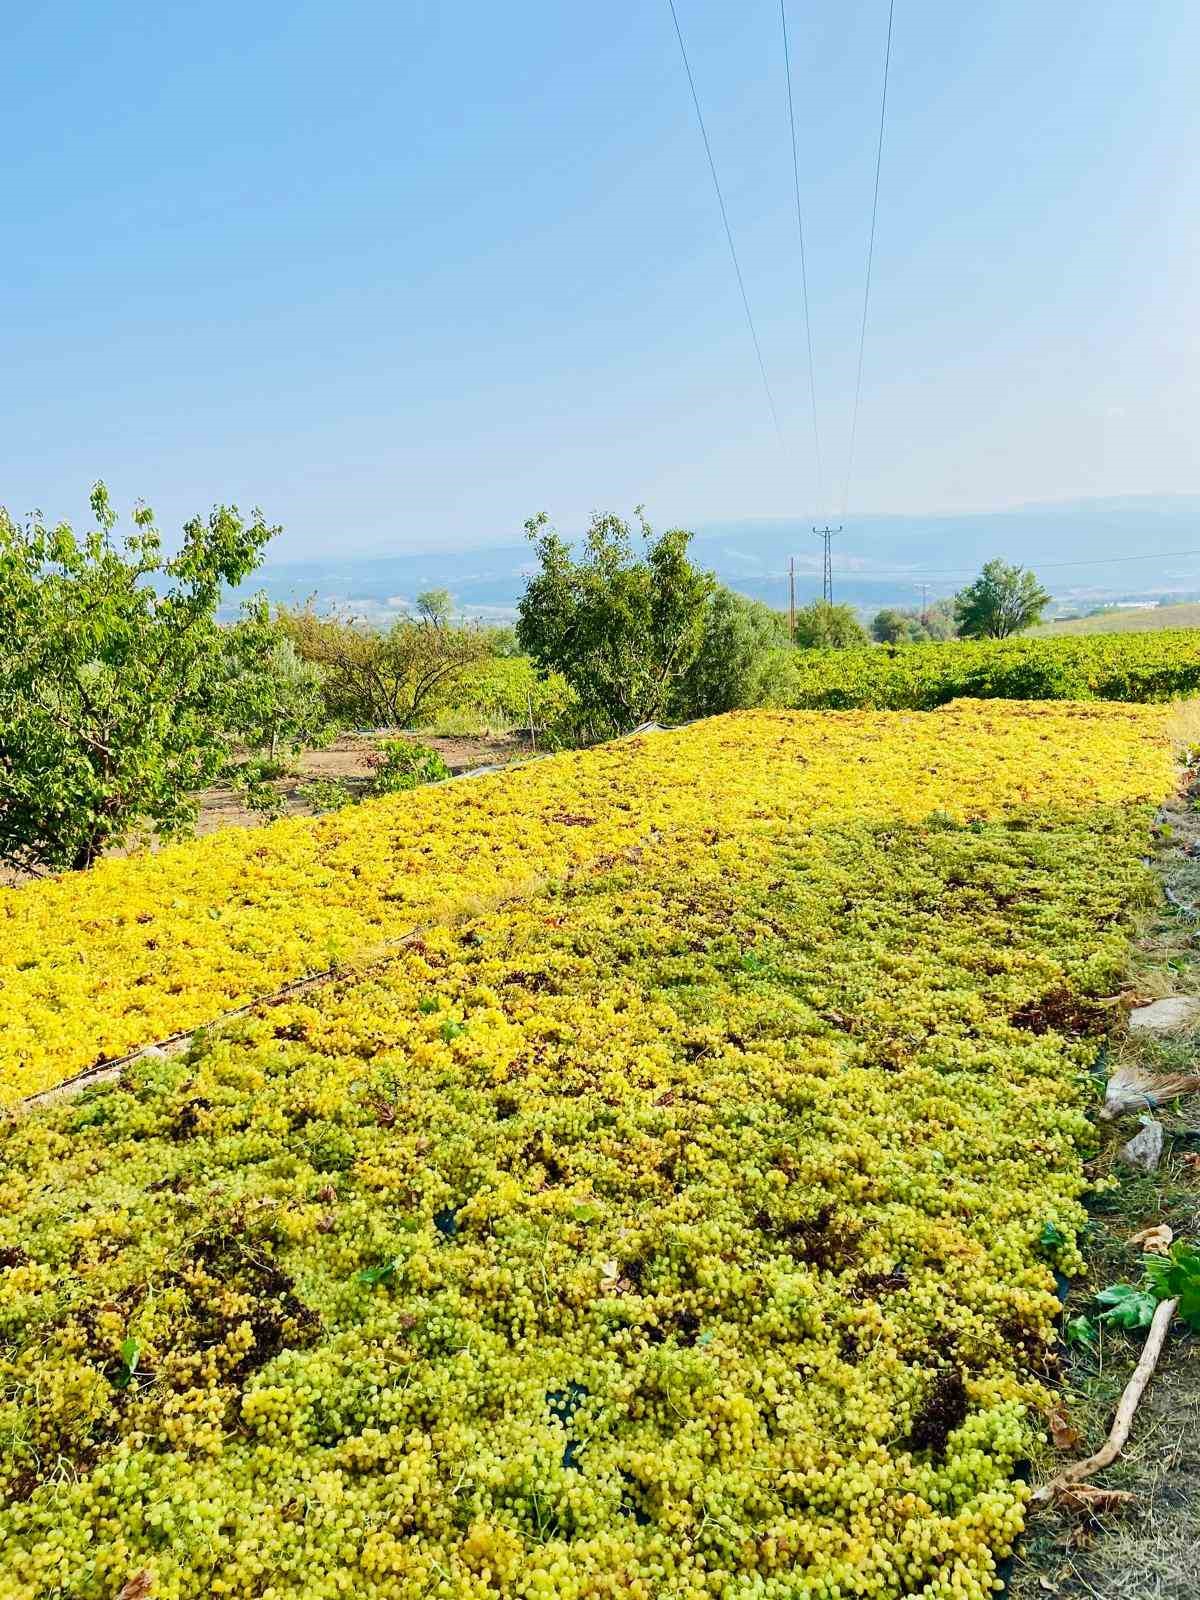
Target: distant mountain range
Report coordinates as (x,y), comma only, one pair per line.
(1086,552)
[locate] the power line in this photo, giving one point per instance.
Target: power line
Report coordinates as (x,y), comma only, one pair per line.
(812,381)
(918,573)
(712,167)
(862,338)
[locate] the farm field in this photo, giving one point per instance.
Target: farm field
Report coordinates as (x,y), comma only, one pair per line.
(1129,667)
(1125,619)
(661,1214)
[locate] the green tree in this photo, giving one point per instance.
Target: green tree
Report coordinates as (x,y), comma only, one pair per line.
(908,625)
(825,626)
(622,629)
(740,649)
(383,677)
(892,626)
(275,697)
(434,606)
(112,696)
(1003,600)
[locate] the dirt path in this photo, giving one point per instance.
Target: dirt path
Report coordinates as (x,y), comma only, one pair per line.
(1150,1551)
(347,759)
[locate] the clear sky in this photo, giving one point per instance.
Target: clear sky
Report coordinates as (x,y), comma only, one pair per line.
(406,273)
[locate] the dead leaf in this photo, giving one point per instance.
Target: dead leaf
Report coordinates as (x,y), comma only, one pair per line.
(137,1587)
(1044,1583)
(1191,1160)
(1093,1501)
(610,1270)
(325,1222)
(1062,1431)
(1155,1241)
(327,1195)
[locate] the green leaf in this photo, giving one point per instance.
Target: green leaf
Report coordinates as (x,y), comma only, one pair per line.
(1080,1330)
(1127,1307)
(428,1004)
(130,1353)
(370,1276)
(1051,1237)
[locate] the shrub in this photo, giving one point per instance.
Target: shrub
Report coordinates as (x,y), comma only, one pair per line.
(114,703)
(823,625)
(399,764)
(384,677)
(621,629)
(738,658)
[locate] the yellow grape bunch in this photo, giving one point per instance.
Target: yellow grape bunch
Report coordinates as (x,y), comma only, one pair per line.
(664,1216)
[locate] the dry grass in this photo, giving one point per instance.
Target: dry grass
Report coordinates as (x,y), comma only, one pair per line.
(1151,1552)
(1186,614)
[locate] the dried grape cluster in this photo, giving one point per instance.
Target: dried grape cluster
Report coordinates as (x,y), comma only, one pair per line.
(672,1232)
(139,949)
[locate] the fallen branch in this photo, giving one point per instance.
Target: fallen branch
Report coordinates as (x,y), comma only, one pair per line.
(1123,1421)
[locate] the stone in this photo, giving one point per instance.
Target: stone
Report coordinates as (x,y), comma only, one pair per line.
(1144,1150)
(1165,1016)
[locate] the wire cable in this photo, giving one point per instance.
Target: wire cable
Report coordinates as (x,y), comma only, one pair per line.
(918,573)
(812,381)
(712,167)
(862,338)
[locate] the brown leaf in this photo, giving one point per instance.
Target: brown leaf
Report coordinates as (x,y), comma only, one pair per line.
(325,1222)
(1044,1583)
(327,1195)
(1155,1241)
(1191,1160)
(1093,1501)
(1062,1431)
(137,1587)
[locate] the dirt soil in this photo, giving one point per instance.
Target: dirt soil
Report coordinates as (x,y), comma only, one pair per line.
(348,759)
(1150,1550)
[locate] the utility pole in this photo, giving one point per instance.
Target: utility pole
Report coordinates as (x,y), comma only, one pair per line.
(826,533)
(792,598)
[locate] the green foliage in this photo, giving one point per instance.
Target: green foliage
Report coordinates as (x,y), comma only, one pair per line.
(1137,667)
(384,677)
(1052,1237)
(400,764)
(1177,1277)
(1003,600)
(824,626)
(907,625)
(1127,1307)
(622,629)
(502,692)
(434,606)
(114,701)
(1080,1331)
(275,697)
(255,781)
(502,642)
(739,652)
(327,794)
(130,1353)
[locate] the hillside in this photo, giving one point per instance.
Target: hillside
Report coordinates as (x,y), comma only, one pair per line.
(1132,619)
(879,560)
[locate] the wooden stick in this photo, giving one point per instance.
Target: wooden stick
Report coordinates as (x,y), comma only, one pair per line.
(1123,1421)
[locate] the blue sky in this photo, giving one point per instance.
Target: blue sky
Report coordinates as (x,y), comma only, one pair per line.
(406,273)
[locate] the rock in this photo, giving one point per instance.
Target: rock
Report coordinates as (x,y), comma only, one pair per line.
(1164,1016)
(1144,1150)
